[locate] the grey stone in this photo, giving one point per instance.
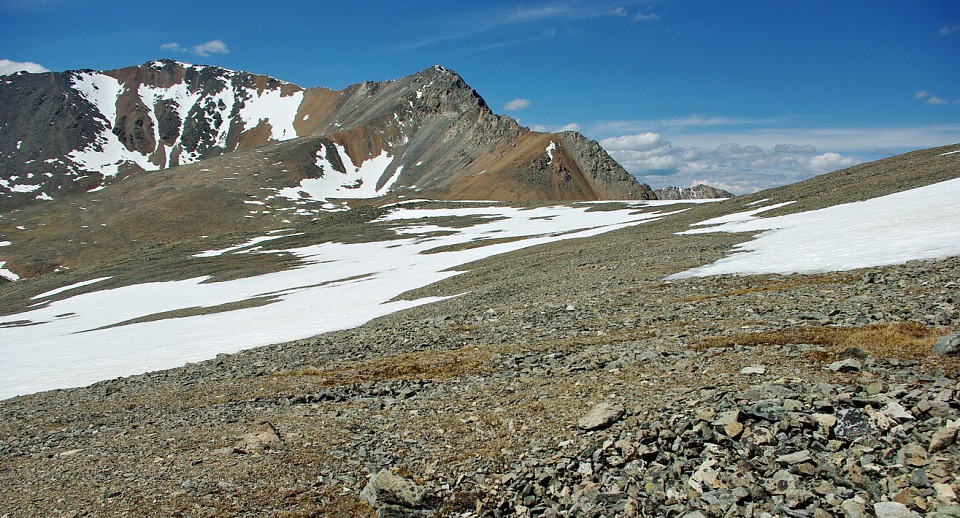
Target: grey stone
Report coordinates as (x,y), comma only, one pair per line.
(949,344)
(848,365)
(387,490)
(851,423)
(919,479)
(892,510)
(600,416)
(942,438)
(781,482)
(266,440)
(853,508)
(949,510)
(795,457)
(769,409)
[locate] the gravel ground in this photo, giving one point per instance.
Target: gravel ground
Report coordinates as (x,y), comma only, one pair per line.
(566,380)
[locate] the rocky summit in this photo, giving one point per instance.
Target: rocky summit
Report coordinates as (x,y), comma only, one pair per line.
(81,130)
(569,379)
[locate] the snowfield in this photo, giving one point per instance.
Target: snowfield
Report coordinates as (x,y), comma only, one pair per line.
(77,340)
(88,337)
(359,180)
(922,223)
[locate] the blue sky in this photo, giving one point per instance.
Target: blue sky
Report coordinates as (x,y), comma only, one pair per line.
(738,94)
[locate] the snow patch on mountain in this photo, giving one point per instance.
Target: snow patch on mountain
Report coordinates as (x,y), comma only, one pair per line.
(250,106)
(359,180)
(69,287)
(182,99)
(105,154)
(7,274)
(922,223)
(279,110)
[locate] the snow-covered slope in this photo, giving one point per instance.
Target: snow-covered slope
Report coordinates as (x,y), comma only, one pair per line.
(132,329)
(921,223)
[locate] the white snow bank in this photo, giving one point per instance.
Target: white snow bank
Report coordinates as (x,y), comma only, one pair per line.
(7,274)
(922,223)
(359,181)
(337,286)
(62,289)
(279,110)
(106,153)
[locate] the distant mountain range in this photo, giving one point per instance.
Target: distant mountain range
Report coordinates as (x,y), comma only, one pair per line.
(430,133)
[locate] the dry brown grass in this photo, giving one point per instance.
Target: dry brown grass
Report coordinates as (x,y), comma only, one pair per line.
(900,340)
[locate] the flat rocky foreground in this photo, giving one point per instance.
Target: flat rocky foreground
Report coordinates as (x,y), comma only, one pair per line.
(567,380)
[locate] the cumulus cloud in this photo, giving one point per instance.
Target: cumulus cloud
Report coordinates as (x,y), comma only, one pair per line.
(203,49)
(517,104)
(831,162)
(640,142)
(571,126)
(12,67)
(929,98)
(737,168)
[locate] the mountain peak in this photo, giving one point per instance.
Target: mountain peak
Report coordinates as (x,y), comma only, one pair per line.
(85,129)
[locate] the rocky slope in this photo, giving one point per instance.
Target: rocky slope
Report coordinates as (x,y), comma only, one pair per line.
(697,192)
(77,131)
(565,380)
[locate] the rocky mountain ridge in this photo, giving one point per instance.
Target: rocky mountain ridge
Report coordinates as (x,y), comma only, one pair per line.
(78,131)
(697,192)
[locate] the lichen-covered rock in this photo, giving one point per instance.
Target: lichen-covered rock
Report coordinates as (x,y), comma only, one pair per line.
(394,495)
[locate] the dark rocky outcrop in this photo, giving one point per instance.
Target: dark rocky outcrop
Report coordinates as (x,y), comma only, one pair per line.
(697,192)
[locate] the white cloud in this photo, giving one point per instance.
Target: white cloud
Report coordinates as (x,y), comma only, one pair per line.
(203,50)
(746,155)
(831,162)
(211,47)
(173,46)
(571,126)
(933,99)
(737,168)
(517,104)
(562,10)
(639,142)
(11,67)
(946,30)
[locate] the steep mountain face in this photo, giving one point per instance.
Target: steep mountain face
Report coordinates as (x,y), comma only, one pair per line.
(697,192)
(81,130)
